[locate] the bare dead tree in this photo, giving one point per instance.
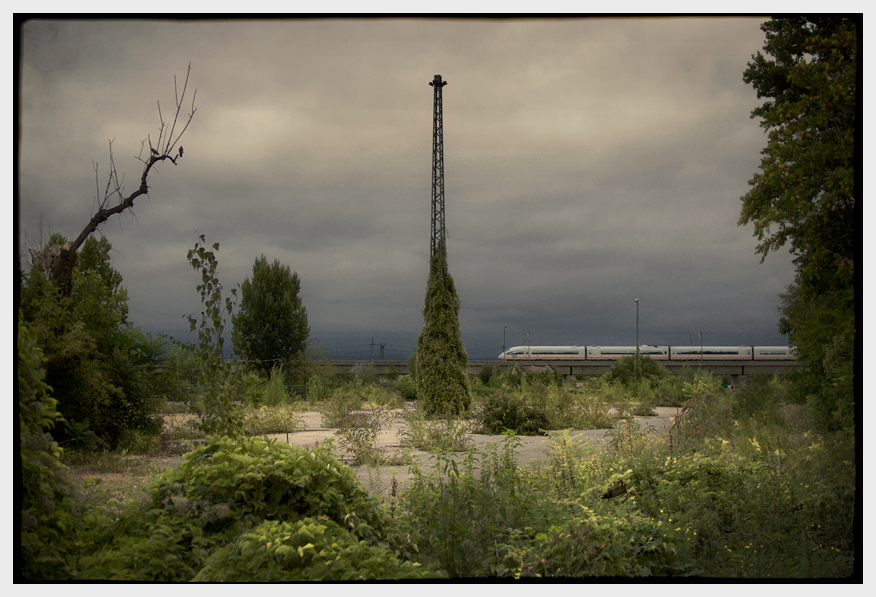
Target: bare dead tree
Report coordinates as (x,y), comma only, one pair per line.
(57,261)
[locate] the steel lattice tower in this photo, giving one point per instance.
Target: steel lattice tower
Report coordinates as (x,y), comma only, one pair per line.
(438,233)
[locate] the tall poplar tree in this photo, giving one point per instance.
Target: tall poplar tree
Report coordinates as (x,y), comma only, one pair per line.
(443,386)
(271,327)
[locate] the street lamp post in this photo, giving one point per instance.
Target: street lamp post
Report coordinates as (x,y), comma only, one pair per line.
(638,359)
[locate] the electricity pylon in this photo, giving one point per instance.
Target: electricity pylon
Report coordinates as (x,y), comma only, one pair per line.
(438,234)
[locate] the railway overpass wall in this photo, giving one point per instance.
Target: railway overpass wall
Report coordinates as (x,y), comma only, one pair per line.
(736,369)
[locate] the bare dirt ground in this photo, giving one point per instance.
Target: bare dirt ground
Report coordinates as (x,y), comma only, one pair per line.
(378,480)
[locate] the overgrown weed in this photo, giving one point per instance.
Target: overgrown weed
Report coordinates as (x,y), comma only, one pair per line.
(448,433)
(280,418)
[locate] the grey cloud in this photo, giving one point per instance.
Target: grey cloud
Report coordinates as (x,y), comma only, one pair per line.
(588,162)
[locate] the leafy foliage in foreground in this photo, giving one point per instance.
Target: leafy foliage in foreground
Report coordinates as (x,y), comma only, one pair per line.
(233,504)
(259,479)
(307,549)
(744,489)
(44,500)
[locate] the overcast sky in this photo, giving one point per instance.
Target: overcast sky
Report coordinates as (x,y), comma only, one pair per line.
(588,162)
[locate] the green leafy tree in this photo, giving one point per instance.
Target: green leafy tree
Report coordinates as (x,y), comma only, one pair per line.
(443,385)
(271,326)
(98,364)
(805,194)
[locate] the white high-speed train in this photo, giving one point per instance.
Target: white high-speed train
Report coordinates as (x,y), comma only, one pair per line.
(667,353)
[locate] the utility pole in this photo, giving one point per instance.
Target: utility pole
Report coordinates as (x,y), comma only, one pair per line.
(438,233)
(372,347)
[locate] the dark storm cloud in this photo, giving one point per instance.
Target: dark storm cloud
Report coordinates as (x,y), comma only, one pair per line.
(588,162)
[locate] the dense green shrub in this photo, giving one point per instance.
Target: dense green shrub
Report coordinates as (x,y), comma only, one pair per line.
(761,396)
(623,543)
(147,545)
(511,378)
(307,549)
(183,366)
(337,406)
(487,372)
(406,386)
(503,412)
(258,479)
(623,370)
(738,516)
(251,497)
(539,406)
(390,373)
(667,392)
(45,484)
(250,388)
(275,392)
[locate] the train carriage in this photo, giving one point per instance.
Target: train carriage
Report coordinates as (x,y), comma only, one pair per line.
(617,352)
(779,353)
(681,353)
(543,352)
(675,353)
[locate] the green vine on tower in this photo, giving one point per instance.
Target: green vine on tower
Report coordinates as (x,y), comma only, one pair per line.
(443,386)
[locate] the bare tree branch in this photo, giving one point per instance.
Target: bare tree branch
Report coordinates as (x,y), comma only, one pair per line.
(57,262)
